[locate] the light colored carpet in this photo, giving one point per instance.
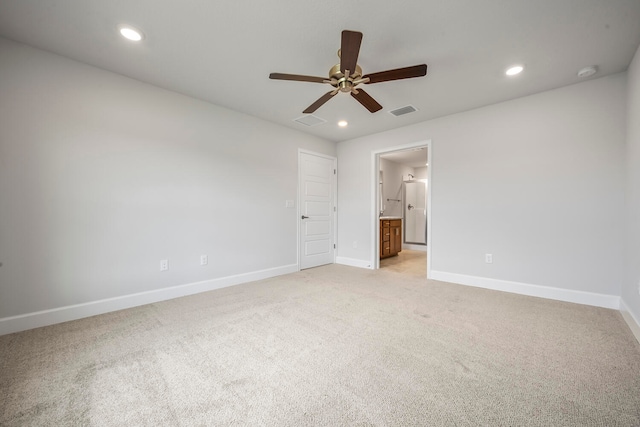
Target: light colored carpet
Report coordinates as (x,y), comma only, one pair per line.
(331,346)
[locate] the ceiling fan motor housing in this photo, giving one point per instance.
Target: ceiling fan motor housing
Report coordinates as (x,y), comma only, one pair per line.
(342,82)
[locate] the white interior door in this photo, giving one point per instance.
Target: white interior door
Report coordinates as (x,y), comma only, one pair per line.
(317,209)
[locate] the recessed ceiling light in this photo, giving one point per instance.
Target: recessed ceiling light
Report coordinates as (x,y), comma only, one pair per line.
(342,123)
(515,70)
(131,33)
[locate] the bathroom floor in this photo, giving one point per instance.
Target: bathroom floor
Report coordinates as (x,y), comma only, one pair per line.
(413,263)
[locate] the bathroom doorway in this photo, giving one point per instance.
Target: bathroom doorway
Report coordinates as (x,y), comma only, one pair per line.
(402,194)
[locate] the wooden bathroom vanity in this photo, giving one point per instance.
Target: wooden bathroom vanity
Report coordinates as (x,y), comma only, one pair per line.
(390,236)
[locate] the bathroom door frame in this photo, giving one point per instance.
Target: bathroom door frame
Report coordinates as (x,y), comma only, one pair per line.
(375,192)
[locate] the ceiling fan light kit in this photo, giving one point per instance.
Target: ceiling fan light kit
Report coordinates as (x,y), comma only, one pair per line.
(347,75)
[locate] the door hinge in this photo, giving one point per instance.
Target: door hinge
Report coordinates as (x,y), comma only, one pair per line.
(334,171)
(334,208)
(334,246)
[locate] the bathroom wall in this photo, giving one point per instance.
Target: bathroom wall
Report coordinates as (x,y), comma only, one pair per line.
(421,173)
(392,174)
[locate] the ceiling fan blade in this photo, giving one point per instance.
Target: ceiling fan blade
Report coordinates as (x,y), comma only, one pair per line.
(297,78)
(320,102)
(349,50)
(365,99)
(398,74)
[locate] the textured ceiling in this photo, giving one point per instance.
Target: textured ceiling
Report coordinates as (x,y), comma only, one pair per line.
(223,52)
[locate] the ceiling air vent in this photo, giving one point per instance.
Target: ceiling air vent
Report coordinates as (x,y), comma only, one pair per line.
(310,120)
(403,110)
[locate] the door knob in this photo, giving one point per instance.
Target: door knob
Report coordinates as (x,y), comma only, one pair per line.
(304,217)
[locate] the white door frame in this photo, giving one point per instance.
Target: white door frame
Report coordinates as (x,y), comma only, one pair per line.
(375,192)
(334,187)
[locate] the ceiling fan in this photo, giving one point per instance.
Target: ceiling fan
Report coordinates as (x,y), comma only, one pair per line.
(347,75)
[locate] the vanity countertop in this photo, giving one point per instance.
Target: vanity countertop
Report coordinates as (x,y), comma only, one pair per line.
(390,217)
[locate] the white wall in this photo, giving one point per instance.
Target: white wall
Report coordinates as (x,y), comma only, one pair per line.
(421,173)
(102,176)
(536,181)
(631,286)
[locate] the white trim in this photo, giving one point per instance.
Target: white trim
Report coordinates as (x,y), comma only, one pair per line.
(631,319)
(559,294)
(375,188)
(37,319)
(335,201)
(429,215)
(352,262)
(375,212)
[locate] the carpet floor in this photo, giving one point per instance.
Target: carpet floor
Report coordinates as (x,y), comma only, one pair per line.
(329,346)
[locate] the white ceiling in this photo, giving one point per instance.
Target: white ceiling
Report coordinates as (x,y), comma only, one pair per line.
(223,52)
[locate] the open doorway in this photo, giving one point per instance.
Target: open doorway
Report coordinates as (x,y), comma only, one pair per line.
(402,198)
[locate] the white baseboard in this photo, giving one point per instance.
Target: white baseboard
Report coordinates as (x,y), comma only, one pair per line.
(23,322)
(631,319)
(352,262)
(568,295)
